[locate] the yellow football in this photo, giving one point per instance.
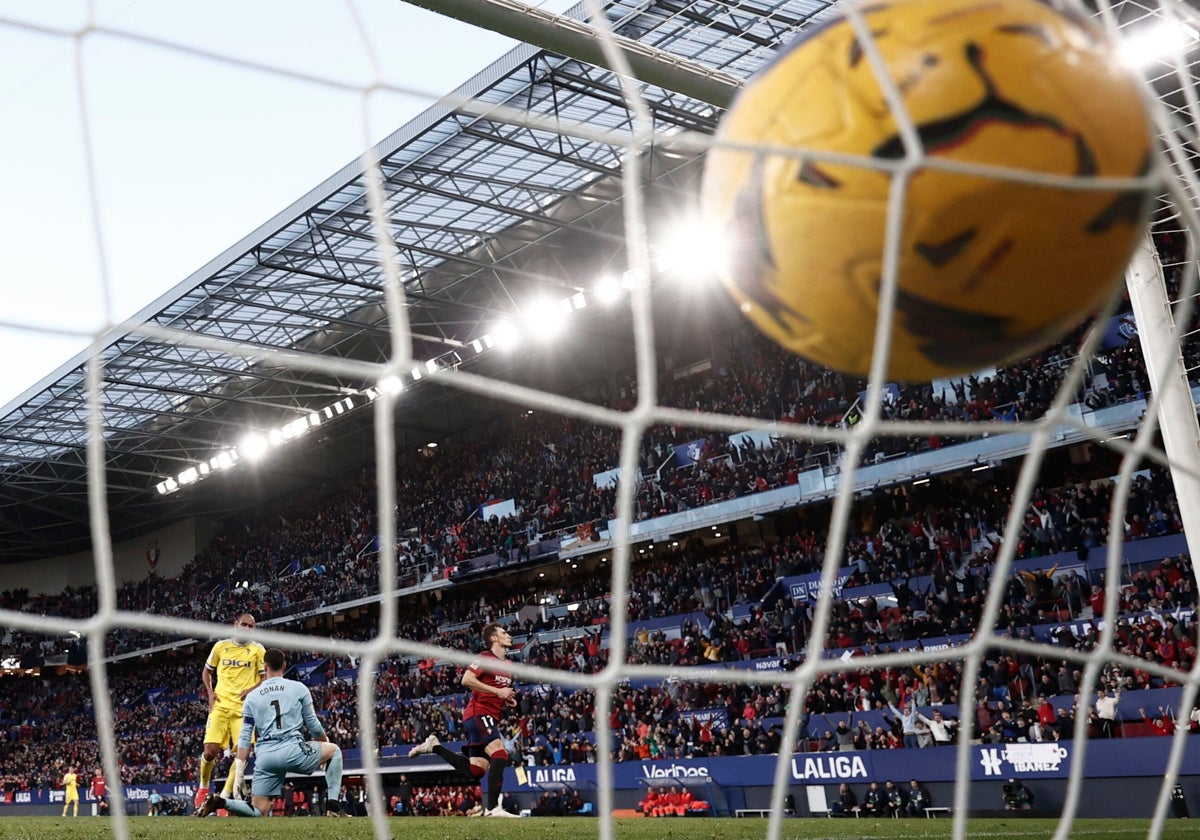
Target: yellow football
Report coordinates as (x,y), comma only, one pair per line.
(989,268)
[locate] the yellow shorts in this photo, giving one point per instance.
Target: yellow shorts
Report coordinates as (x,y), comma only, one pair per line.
(224,726)
(72,796)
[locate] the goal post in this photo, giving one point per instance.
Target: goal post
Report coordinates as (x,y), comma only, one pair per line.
(1159,337)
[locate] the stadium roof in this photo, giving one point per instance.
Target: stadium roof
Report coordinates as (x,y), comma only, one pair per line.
(483,214)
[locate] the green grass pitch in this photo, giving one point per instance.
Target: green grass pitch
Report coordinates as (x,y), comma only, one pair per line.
(465,828)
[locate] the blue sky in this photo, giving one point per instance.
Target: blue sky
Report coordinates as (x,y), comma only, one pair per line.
(191,154)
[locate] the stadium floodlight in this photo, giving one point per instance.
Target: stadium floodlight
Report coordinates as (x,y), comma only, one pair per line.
(505,334)
(391,385)
(1158,41)
(275,437)
(489,341)
(432,366)
(204,468)
(477,345)
(189,476)
(314,419)
(371,394)
(692,250)
(417,373)
(607,290)
(543,318)
(579,301)
(172,485)
(328,412)
(253,446)
(161,487)
(348,402)
(338,408)
(224,460)
(295,428)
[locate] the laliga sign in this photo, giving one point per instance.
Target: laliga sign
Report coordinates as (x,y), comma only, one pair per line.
(834,767)
(1022,758)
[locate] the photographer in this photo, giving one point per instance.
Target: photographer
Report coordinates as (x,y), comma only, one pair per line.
(1017,797)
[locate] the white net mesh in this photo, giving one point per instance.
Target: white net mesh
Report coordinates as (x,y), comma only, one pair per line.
(594,139)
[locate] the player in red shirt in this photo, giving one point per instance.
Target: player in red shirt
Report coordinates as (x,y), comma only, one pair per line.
(99,790)
(491,691)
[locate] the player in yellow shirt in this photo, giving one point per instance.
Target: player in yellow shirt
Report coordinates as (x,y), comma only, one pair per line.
(239,668)
(71,782)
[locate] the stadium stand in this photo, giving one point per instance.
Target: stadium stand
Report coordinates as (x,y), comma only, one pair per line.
(917,565)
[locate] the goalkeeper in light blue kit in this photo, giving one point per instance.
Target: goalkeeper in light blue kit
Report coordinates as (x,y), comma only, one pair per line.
(276,714)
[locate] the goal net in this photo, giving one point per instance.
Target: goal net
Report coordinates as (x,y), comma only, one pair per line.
(562,173)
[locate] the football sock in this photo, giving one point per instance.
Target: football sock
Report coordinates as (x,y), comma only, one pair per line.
(238,808)
(456,760)
(239,773)
(207,766)
(333,776)
(495,776)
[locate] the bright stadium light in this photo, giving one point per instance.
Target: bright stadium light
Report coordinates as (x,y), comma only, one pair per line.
(253,447)
(693,250)
(505,335)
(275,437)
(224,460)
(189,476)
(579,301)
(1158,41)
(295,428)
(544,318)
(607,290)
(391,385)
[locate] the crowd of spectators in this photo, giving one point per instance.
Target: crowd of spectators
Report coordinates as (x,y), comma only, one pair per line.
(318,550)
(48,725)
